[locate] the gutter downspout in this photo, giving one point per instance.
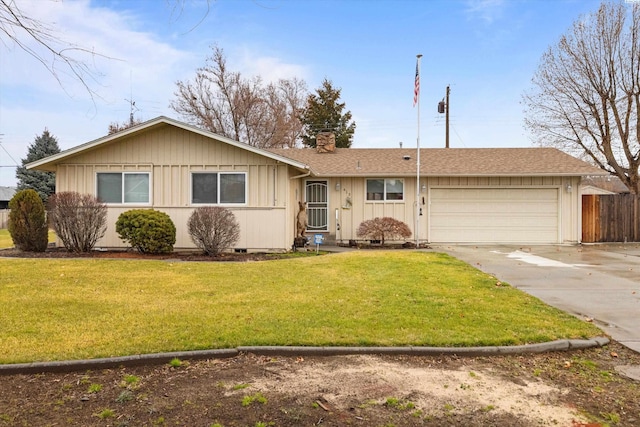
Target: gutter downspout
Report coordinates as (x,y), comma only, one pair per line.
(304,175)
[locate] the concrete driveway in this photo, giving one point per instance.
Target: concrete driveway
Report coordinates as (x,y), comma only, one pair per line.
(599,282)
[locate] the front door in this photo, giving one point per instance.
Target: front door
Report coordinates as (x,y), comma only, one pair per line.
(317,206)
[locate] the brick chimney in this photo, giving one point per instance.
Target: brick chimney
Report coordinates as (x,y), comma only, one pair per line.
(325,142)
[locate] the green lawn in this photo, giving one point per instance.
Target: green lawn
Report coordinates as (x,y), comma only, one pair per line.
(6,242)
(71,309)
(5,239)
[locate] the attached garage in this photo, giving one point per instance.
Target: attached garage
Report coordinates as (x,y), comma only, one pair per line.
(494,215)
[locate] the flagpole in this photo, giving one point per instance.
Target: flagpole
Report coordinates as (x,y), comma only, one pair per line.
(417,102)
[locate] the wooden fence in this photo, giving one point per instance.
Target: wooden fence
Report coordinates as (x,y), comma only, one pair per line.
(610,218)
(4,218)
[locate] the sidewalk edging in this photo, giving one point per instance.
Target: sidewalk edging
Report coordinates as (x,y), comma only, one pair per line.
(292,351)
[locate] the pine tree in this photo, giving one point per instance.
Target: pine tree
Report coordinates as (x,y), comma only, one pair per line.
(324,113)
(43,183)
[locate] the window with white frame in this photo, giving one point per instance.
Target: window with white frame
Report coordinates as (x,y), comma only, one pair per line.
(229,188)
(123,187)
(388,189)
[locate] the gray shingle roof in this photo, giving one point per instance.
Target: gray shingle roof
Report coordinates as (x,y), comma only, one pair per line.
(6,193)
(532,161)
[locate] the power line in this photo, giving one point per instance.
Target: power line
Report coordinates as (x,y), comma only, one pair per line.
(5,150)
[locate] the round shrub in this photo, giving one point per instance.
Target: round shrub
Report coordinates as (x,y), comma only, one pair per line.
(147,230)
(213,229)
(27,222)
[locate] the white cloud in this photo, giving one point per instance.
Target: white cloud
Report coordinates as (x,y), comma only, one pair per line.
(133,65)
(487,11)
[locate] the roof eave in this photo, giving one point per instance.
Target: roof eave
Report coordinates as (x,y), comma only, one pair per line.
(49,163)
(464,175)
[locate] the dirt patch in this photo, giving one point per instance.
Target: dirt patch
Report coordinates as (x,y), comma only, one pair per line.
(580,388)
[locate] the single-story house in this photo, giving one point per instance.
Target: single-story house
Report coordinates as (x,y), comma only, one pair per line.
(467,195)
(6,194)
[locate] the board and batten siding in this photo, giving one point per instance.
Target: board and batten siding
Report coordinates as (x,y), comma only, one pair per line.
(350,216)
(353,208)
(171,155)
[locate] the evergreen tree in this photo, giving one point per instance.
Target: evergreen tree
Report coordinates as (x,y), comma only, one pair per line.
(324,113)
(43,183)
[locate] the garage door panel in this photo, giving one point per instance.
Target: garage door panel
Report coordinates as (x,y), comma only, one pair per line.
(494,215)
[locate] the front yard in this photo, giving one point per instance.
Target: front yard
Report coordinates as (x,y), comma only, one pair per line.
(57,309)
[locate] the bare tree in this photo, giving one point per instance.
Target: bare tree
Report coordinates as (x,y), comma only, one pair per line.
(586,95)
(118,127)
(246,110)
(41,40)
(58,56)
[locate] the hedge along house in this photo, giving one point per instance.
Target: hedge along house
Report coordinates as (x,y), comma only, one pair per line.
(495,195)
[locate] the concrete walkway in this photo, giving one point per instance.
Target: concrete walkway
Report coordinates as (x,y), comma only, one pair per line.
(596,282)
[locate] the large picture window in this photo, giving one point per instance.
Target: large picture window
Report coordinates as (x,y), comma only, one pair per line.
(385,189)
(229,188)
(123,187)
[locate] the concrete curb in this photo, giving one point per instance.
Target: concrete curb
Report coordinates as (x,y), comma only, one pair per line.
(292,351)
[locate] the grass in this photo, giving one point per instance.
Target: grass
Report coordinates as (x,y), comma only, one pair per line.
(5,239)
(7,242)
(55,309)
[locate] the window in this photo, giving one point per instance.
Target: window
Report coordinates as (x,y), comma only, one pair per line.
(123,187)
(385,189)
(219,188)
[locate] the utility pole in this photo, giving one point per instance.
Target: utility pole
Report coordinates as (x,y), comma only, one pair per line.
(443,107)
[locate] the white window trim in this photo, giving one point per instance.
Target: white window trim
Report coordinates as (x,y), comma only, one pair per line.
(384,191)
(122,202)
(246,188)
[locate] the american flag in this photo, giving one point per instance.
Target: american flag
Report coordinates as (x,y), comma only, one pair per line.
(416,87)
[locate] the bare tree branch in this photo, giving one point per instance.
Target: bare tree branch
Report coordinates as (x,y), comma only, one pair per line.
(18,29)
(586,92)
(247,110)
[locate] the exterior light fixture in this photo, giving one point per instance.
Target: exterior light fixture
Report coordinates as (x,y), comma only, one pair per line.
(337,186)
(423,188)
(569,188)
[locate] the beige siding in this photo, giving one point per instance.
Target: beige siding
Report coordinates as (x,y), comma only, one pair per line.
(359,210)
(569,205)
(254,235)
(171,155)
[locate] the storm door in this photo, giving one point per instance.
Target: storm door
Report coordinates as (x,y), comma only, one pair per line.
(317,206)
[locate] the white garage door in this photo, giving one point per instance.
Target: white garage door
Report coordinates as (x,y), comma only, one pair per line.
(486,215)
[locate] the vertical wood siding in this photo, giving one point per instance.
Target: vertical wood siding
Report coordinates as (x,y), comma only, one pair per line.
(171,154)
(405,210)
(610,218)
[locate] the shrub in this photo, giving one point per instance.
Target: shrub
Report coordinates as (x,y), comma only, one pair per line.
(79,220)
(383,228)
(213,229)
(147,230)
(27,222)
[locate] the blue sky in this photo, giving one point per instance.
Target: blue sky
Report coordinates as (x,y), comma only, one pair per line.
(486,50)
